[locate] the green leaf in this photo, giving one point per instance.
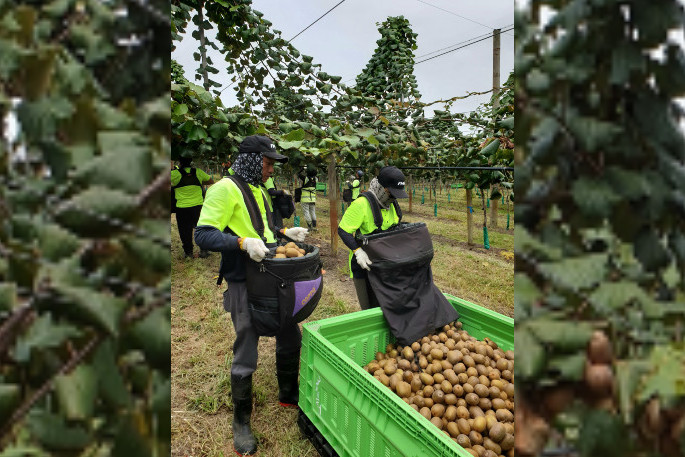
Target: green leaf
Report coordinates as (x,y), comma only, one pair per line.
(111,385)
(667,377)
(153,336)
(562,335)
(295,135)
(290,144)
(602,433)
(22,450)
(53,433)
(125,164)
(76,392)
(491,148)
(594,198)
(537,81)
(568,367)
(43,334)
(650,251)
(526,294)
(576,273)
(180,109)
(10,394)
(196,133)
(592,133)
(88,306)
(98,212)
(610,297)
(529,363)
(55,242)
(628,375)
(218,131)
(8,295)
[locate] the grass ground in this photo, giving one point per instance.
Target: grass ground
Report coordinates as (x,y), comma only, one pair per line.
(202,333)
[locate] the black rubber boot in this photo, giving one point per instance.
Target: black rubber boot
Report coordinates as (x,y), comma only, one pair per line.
(287,371)
(309,225)
(244,442)
(314,223)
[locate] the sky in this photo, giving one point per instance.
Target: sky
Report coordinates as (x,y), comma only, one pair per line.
(344,41)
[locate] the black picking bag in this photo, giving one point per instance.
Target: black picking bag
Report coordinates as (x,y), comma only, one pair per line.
(402,280)
(283,291)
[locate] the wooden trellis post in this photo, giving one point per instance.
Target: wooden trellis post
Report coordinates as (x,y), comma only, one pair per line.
(494,205)
(410,191)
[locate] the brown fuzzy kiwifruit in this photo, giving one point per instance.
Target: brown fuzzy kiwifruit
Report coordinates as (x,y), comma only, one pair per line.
(599,378)
(463,426)
(497,432)
(452,429)
(292,252)
(280,256)
(479,424)
(403,389)
(302,251)
(450,413)
(599,349)
(475,437)
(291,245)
(280,250)
(437,422)
(463,440)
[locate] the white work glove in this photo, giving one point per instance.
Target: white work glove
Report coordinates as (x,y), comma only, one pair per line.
(362,259)
(255,248)
(296,233)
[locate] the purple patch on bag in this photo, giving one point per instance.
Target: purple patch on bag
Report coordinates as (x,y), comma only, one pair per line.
(304,291)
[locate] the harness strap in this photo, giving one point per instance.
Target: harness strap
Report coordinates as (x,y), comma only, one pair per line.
(253,208)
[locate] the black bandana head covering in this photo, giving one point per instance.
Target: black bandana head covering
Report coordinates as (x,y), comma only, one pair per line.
(249,168)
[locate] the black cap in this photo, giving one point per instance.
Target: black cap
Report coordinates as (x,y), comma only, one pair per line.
(393,179)
(258,144)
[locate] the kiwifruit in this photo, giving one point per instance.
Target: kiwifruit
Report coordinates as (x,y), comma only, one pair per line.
(509,354)
(463,426)
(462,412)
(599,378)
(416,384)
(504,415)
(280,256)
(292,252)
(438,396)
(291,245)
(302,251)
(445,385)
(468,361)
(507,442)
(280,250)
(452,429)
(489,453)
(599,349)
(479,424)
(404,364)
(450,413)
(390,368)
(437,410)
(426,379)
(403,389)
(425,412)
(407,353)
(498,403)
(428,391)
(436,354)
(472,452)
(475,437)
(416,346)
(463,441)
(438,378)
(485,404)
(472,398)
(437,422)
(490,444)
(497,432)
(481,390)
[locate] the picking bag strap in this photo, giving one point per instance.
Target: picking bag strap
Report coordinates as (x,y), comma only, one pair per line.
(253,208)
(375,209)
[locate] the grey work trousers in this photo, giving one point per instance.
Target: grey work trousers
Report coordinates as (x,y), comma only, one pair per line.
(288,340)
(367,299)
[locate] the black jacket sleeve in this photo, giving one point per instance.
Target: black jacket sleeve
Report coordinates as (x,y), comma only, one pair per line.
(211,238)
(348,239)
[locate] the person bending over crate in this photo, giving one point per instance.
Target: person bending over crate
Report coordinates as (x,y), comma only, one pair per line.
(226,226)
(384,190)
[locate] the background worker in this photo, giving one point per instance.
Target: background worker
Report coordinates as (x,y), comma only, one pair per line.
(356,184)
(225,226)
(187,183)
(308,199)
(386,188)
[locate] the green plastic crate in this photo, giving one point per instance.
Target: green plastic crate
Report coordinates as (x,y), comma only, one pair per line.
(356,414)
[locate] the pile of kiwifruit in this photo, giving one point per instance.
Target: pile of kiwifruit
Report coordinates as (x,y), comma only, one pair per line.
(289,250)
(465,387)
